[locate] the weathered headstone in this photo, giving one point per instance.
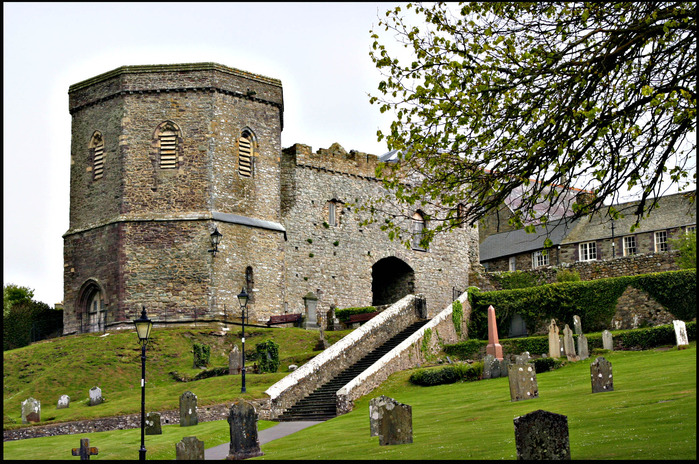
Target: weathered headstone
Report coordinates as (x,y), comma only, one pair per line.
(583,352)
(85,450)
(607,340)
(493,346)
(63,402)
(375,414)
(310,302)
(542,435)
(523,385)
(188,409)
(31,411)
(96,396)
(554,340)
(577,325)
(681,334)
(242,420)
(189,449)
(569,344)
(234,361)
(395,423)
(522,358)
(153,426)
(601,375)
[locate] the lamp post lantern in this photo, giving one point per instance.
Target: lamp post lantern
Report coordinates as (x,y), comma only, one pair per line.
(143,327)
(243,301)
(215,240)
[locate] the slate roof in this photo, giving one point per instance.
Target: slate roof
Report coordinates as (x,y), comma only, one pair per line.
(519,241)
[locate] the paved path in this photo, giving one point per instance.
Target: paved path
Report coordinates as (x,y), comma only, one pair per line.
(282,429)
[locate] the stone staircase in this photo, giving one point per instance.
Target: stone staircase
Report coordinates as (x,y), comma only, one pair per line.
(320,404)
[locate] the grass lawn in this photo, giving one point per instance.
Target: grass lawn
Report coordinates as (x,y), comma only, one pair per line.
(651,414)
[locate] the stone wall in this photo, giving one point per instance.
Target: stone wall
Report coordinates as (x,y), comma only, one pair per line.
(342,354)
(407,355)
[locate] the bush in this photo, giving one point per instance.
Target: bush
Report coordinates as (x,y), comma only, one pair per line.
(448,374)
(565,275)
(30,321)
(202,354)
(544,364)
(267,356)
(344,314)
(516,279)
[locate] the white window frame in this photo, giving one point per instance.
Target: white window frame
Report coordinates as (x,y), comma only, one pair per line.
(587,251)
(660,240)
(512,263)
(690,229)
(629,245)
(540,258)
(418,230)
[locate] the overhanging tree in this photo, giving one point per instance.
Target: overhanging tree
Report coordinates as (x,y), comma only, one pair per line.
(497,98)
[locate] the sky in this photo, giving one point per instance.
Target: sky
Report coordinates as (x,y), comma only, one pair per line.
(319,51)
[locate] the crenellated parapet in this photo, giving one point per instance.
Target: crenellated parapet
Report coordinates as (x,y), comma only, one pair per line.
(334,159)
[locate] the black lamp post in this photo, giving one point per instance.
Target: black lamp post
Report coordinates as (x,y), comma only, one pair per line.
(243,300)
(143,326)
(215,240)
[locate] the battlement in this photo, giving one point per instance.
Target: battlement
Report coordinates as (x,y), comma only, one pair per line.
(334,159)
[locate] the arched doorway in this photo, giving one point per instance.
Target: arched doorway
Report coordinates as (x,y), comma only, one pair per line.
(391,279)
(93,312)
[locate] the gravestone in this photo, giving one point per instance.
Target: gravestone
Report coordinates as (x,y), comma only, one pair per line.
(96,396)
(493,346)
(601,375)
(189,449)
(569,344)
(577,325)
(31,411)
(153,426)
(494,368)
(395,423)
(310,302)
(63,402)
(681,334)
(522,358)
(607,340)
(523,385)
(234,361)
(85,450)
(375,412)
(188,409)
(554,340)
(583,352)
(542,435)
(242,420)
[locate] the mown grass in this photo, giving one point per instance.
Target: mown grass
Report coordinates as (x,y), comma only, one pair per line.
(651,414)
(73,365)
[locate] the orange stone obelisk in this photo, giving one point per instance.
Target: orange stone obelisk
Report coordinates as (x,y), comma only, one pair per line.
(493,346)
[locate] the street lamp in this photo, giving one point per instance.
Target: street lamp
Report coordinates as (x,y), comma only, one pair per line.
(143,326)
(243,301)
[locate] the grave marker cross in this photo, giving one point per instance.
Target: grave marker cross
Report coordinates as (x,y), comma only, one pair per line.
(85,451)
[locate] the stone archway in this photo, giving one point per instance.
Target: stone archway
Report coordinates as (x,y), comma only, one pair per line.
(92,311)
(391,279)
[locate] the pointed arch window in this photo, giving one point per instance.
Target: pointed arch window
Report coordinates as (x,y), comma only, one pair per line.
(245,154)
(418,230)
(97,154)
(249,284)
(168,140)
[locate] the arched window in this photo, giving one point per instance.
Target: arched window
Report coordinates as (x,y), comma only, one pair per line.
(249,284)
(96,149)
(418,230)
(334,210)
(168,135)
(245,154)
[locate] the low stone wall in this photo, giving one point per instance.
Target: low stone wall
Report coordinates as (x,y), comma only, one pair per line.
(408,354)
(342,354)
(130,421)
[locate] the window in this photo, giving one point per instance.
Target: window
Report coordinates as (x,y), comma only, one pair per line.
(512,266)
(245,151)
(690,230)
(540,258)
(588,251)
(629,245)
(333,208)
(168,135)
(97,153)
(661,241)
(418,230)
(249,284)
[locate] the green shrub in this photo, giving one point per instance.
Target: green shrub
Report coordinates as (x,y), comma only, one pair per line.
(202,354)
(267,356)
(467,349)
(457,316)
(516,279)
(447,374)
(544,364)
(344,314)
(565,275)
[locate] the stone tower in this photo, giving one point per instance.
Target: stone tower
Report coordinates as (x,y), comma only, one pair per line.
(161,156)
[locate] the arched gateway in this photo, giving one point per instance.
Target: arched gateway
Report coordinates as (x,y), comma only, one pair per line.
(391,279)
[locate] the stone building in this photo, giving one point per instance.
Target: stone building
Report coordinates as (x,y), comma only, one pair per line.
(162,156)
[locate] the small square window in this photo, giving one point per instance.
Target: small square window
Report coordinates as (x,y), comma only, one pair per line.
(629,245)
(588,251)
(540,258)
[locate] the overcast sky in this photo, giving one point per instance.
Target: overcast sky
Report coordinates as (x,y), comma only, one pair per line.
(319,51)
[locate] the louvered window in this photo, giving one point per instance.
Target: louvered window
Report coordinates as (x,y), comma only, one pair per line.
(168,149)
(245,156)
(98,160)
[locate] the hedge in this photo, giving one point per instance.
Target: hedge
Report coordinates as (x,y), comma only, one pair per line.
(594,301)
(448,374)
(624,340)
(344,314)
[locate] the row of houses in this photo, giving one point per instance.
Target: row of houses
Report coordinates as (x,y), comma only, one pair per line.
(593,238)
